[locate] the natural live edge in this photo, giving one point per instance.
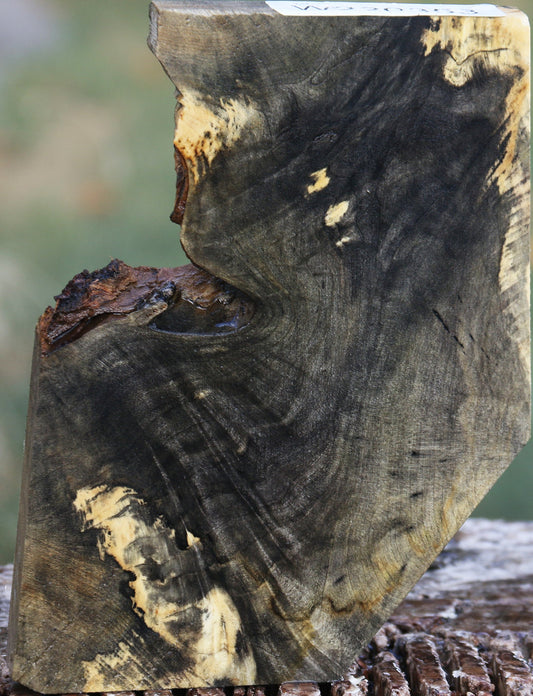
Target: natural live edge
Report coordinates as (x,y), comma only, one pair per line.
(182,187)
(232,497)
(92,299)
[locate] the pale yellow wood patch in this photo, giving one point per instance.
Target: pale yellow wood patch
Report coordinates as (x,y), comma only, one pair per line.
(191,539)
(121,660)
(342,241)
(320,181)
(204,129)
(118,512)
(495,43)
(335,213)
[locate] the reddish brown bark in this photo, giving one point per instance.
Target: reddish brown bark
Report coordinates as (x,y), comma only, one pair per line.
(182,187)
(110,293)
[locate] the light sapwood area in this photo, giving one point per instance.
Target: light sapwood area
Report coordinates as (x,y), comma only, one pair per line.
(236,470)
(466,628)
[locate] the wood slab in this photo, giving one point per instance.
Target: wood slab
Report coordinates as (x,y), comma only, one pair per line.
(235,471)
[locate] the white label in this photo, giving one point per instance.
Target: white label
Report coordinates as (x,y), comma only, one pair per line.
(379,9)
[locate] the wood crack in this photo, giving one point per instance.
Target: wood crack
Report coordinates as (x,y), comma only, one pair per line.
(447,328)
(473,55)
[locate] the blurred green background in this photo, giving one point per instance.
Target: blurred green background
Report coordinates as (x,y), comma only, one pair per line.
(86,175)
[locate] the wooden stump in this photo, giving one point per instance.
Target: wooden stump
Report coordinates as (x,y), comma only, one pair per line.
(235,471)
(466,628)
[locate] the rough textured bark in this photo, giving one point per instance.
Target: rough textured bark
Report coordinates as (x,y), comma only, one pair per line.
(488,563)
(237,482)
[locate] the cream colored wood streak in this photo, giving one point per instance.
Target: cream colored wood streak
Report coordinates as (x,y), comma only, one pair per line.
(128,529)
(335,213)
(320,181)
(204,129)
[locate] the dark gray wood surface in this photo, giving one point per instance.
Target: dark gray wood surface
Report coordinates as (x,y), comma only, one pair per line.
(470,618)
(236,474)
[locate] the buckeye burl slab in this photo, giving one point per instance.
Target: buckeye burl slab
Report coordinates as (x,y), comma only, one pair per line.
(236,470)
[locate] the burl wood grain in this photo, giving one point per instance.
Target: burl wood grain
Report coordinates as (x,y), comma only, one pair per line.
(242,491)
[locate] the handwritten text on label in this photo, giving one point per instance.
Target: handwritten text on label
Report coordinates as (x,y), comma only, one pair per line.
(394,9)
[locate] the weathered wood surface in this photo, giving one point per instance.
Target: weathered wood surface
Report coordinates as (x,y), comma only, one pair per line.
(466,628)
(234,475)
